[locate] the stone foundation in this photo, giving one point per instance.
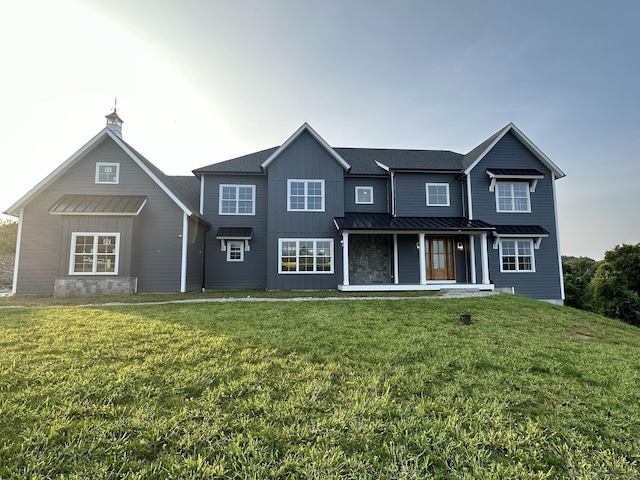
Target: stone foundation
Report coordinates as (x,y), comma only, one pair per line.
(83,286)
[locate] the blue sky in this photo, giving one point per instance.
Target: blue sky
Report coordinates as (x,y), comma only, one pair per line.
(201,81)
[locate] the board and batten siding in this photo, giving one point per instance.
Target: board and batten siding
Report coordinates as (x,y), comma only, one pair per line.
(544,283)
(252,271)
(411,195)
(157,257)
(304,159)
(380,194)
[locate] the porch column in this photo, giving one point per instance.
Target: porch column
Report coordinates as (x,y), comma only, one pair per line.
(423,266)
(485,258)
(396,268)
(345,258)
(472,258)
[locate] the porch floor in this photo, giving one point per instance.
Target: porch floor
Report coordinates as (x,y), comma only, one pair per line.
(404,287)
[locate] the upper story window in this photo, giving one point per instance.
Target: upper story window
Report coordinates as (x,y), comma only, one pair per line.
(364,195)
(516,256)
(305,195)
(107,173)
(438,195)
(237,200)
(94,253)
(512,197)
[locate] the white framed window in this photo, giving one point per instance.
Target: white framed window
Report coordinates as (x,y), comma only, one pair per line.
(364,195)
(305,195)
(517,256)
(312,255)
(513,197)
(237,200)
(108,173)
(438,195)
(235,251)
(94,253)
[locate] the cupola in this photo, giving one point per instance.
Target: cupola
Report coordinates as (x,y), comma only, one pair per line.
(114,122)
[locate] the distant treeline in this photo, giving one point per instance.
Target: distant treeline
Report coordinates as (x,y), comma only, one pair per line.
(610,287)
(8,236)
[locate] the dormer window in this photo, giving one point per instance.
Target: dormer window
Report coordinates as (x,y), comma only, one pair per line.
(108,173)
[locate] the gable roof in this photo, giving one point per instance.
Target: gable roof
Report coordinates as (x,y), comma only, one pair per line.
(172,188)
(306,128)
(472,158)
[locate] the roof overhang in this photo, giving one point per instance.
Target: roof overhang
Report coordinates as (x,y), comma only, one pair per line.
(234,233)
(108,205)
(383,222)
(530,175)
(535,232)
(306,128)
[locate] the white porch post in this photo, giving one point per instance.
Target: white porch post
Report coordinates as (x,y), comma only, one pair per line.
(472,257)
(345,258)
(423,266)
(485,258)
(396,269)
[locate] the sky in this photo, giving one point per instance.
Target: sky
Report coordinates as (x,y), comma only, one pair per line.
(202,81)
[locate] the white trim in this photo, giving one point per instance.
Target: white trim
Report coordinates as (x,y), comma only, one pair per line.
(345,258)
(469,198)
(555,212)
(427,185)
(306,194)
(527,143)
(396,267)
(95,235)
(514,178)
(314,240)
(484,255)
(241,244)
(202,177)
(416,287)
(318,138)
(537,238)
(185,245)
(472,256)
(237,198)
(107,164)
(393,193)
(513,197)
(16,263)
(517,270)
(364,187)
(422,259)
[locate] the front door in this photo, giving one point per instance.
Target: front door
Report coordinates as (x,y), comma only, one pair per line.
(440,259)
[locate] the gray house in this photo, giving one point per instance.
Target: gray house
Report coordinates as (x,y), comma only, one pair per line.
(108,221)
(304,215)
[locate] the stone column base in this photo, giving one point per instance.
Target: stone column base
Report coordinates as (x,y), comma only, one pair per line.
(83,286)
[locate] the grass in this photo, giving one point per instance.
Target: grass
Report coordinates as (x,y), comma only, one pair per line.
(341,389)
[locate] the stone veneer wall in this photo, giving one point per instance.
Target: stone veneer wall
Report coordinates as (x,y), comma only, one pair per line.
(95,286)
(369,259)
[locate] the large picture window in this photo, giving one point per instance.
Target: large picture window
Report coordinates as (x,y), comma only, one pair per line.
(438,195)
(512,197)
(107,173)
(237,199)
(305,255)
(94,253)
(516,256)
(305,195)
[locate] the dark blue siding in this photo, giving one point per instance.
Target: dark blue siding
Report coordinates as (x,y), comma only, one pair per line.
(509,152)
(304,159)
(250,273)
(408,259)
(380,194)
(411,195)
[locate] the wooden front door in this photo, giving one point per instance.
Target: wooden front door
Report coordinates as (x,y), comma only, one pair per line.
(440,258)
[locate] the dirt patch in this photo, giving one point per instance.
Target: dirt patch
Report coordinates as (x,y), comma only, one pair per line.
(6,270)
(580,337)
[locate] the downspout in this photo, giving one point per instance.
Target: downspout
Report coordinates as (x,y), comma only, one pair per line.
(16,263)
(393,193)
(469,196)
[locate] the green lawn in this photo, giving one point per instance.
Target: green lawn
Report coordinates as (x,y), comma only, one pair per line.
(319,389)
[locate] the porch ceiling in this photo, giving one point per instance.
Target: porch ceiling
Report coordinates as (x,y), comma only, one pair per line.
(384,221)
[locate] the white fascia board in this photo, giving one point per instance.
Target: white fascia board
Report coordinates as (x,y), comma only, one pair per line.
(49,179)
(16,264)
(141,164)
(487,150)
(185,246)
(382,166)
(318,138)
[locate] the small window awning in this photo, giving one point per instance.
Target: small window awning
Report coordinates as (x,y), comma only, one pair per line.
(386,222)
(234,233)
(114,205)
(535,232)
(528,174)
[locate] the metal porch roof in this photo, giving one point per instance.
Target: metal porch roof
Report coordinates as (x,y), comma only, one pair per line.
(384,221)
(98,205)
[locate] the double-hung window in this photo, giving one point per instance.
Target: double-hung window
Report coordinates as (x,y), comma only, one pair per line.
(237,200)
(513,197)
(516,256)
(108,173)
(235,251)
(364,195)
(305,255)
(94,253)
(305,195)
(438,195)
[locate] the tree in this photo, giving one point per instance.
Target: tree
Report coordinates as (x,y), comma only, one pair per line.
(626,259)
(8,236)
(578,273)
(611,295)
